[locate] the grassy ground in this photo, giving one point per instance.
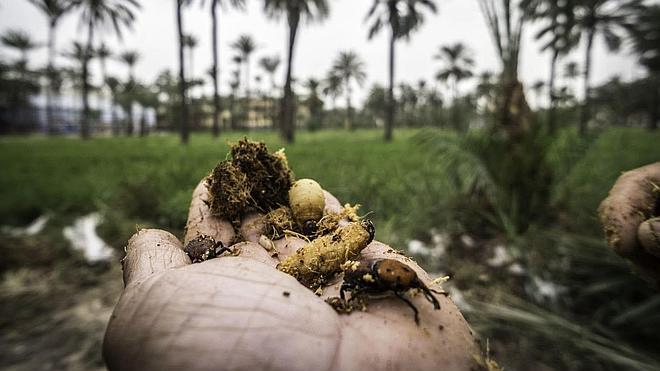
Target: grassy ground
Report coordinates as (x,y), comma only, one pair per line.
(52,294)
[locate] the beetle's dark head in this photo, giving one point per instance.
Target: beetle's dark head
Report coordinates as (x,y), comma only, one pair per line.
(368,225)
(309,227)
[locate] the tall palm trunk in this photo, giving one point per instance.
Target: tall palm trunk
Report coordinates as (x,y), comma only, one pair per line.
(247,90)
(552,111)
(349,108)
(389,114)
(216,93)
(113,116)
(182,77)
(586,108)
(50,120)
(288,109)
(85,124)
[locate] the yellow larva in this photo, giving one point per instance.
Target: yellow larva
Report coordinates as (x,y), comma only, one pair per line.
(316,262)
(307,202)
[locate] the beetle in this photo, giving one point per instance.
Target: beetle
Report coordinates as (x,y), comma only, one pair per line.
(385,275)
(203,248)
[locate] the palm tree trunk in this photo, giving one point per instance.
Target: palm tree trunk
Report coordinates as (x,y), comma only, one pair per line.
(349,109)
(389,115)
(552,119)
(113,116)
(586,108)
(84,124)
(216,93)
(247,89)
(50,121)
(182,77)
(143,123)
(232,112)
(288,114)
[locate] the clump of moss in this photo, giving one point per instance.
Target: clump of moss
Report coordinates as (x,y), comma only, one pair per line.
(253,179)
(229,189)
(269,174)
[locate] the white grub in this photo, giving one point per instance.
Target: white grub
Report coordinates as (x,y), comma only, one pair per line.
(83,237)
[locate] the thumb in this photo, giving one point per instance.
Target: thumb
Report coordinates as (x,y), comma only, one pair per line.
(150,251)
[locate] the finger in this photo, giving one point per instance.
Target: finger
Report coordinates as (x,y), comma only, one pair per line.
(631,201)
(150,251)
(332,205)
(201,222)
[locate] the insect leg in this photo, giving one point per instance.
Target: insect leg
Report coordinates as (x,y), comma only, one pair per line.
(345,287)
(221,249)
(431,298)
(411,305)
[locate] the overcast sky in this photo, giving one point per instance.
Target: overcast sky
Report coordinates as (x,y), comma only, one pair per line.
(154,36)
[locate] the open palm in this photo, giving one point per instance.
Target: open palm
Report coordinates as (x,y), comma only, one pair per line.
(239,312)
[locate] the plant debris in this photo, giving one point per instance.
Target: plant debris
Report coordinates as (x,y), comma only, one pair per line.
(253,179)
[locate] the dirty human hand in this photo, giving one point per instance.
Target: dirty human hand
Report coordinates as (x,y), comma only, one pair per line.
(237,311)
(630,218)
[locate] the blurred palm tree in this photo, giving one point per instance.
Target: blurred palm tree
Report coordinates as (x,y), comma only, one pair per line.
(558,34)
(245,46)
(54,10)
(234,84)
(403,17)
(644,30)
(332,87)
(295,11)
(22,42)
(458,65)
(349,68)
(190,42)
(183,124)
(571,73)
(270,66)
(95,15)
(76,53)
(215,68)
(130,59)
(113,85)
(103,53)
(601,17)
(506,21)
(314,103)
